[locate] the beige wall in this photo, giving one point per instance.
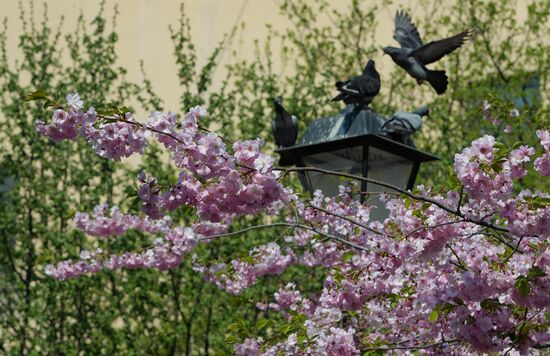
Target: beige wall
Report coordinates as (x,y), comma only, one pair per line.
(144,35)
(143,29)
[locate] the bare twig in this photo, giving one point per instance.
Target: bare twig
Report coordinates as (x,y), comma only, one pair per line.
(415,347)
(434,226)
(397,189)
(487,44)
(355,222)
(256,227)
(460,264)
(461,193)
(300,226)
(514,250)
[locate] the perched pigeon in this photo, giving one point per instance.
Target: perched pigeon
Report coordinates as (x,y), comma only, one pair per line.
(414,55)
(362,89)
(285,126)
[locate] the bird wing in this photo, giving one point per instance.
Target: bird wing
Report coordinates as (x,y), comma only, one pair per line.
(368,86)
(434,50)
(405,31)
(342,87)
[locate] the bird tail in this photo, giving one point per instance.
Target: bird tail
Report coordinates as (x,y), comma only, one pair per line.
(339,97)
(438,80)
(340,84)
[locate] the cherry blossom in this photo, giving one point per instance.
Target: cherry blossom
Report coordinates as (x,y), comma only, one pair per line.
(463,272)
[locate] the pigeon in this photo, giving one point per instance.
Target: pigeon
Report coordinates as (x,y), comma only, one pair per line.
(284,126)
(360,90)
(414,55)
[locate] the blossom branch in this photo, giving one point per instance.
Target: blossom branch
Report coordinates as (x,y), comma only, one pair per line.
(459,263)
(397,189)
(301,226)
(355,222)
(434,226)
(416,347)
(256,227)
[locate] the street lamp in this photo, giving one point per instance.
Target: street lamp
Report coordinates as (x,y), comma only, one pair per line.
(359,142)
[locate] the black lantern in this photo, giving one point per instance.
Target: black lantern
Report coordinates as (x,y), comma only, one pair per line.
(359,142)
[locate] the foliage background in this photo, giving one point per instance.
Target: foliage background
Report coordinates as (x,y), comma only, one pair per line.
(43,183)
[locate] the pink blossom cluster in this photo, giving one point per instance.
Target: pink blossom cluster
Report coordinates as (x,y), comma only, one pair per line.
(488,115)
(109,139)
(218,184)
(240,274)
(116,223)
(426,259)
(463,272)
(167,251)
(542,164)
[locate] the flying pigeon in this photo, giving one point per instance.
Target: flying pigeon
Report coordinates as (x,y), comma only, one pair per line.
(362,89)
(414,55)
(284,126)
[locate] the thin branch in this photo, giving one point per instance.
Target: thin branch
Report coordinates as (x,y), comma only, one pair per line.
(355,222)
(256,227)
(300,226)
(460,264)
(487,44)
(337,238)
(397,189)
(433,226)
(521,326)
(416,347)
(12,262)
(140,125)
(143,126)
(515,249)
(500,239)
(461,193)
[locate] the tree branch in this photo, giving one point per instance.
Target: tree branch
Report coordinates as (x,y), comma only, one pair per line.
(355,222)
(397,189)
(487,45)
(294,225)
(416,347)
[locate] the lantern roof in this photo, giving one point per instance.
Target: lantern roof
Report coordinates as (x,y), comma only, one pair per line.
(350,127)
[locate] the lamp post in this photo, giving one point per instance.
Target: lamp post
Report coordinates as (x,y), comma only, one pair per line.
(359,142)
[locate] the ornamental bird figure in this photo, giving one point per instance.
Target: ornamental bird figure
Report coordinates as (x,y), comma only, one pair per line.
(284,126)
(360,90)
(414,55)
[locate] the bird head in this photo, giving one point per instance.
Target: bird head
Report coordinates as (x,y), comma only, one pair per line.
(369,66)
(392,51)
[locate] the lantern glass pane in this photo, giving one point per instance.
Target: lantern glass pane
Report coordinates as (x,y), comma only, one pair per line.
(348,160)
(387,168)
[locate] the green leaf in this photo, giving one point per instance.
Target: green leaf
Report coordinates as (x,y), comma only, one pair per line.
(347,256)
(285,329)
(447,308)
(458,301)
(48,103)
(262,323)
(434,315)
(517,144)
(44,258)
(248,259)
(231,339)
(36,95)
(500,146)
(522,285)
(536,272)
(490,305)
